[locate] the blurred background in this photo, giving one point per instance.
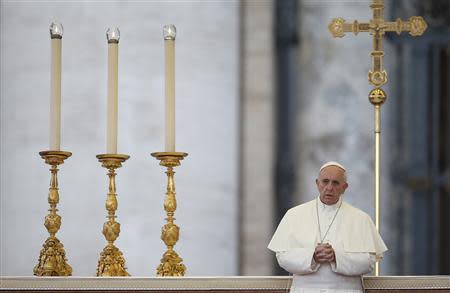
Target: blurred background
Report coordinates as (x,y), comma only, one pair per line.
(265,96)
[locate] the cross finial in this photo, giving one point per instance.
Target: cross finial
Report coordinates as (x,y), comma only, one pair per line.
(377,27)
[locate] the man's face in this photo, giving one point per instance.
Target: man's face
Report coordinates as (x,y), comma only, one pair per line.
(331,184)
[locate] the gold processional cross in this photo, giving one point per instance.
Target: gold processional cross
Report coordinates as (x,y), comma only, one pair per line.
(377,27)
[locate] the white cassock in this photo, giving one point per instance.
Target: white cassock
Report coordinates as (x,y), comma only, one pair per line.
(353,236)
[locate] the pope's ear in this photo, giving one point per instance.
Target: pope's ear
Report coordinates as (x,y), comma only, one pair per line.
(345,186)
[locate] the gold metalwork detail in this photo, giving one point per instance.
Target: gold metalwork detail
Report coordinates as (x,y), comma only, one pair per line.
(417,26)
(377,27)
(377,78)
(111,262)
(52,258)
(336,27)
(171,263)
(377,96)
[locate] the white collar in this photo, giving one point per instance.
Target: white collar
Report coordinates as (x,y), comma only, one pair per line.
(331,207)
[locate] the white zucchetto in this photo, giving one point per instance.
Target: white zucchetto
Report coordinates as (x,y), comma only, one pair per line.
(332,163)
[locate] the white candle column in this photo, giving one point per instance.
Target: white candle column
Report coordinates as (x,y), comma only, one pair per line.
(56,32)
(169,32)
(113,36)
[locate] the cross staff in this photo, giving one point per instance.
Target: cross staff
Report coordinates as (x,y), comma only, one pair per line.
(377,27)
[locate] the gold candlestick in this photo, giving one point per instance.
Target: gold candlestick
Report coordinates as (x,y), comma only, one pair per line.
(171,263)
(52,258)
(111,262)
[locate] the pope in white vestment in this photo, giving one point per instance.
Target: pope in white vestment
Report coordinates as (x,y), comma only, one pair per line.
(326,243)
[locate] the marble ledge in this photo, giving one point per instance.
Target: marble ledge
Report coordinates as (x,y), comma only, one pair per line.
(145,283)
(236,283)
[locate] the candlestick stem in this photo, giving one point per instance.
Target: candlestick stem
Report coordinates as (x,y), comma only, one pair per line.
(111,262)
(52,258)
(171,263)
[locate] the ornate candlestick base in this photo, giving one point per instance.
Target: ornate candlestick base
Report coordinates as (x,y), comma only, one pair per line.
(111,262)
(171,263)
(52,258)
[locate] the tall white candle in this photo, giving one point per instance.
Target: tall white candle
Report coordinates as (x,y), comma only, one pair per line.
(169,32)
(113,36)
(56,32)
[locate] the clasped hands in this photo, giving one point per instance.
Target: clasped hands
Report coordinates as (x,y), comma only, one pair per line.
(324,253)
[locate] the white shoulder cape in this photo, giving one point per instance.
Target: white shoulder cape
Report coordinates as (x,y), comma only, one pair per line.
(298,229)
